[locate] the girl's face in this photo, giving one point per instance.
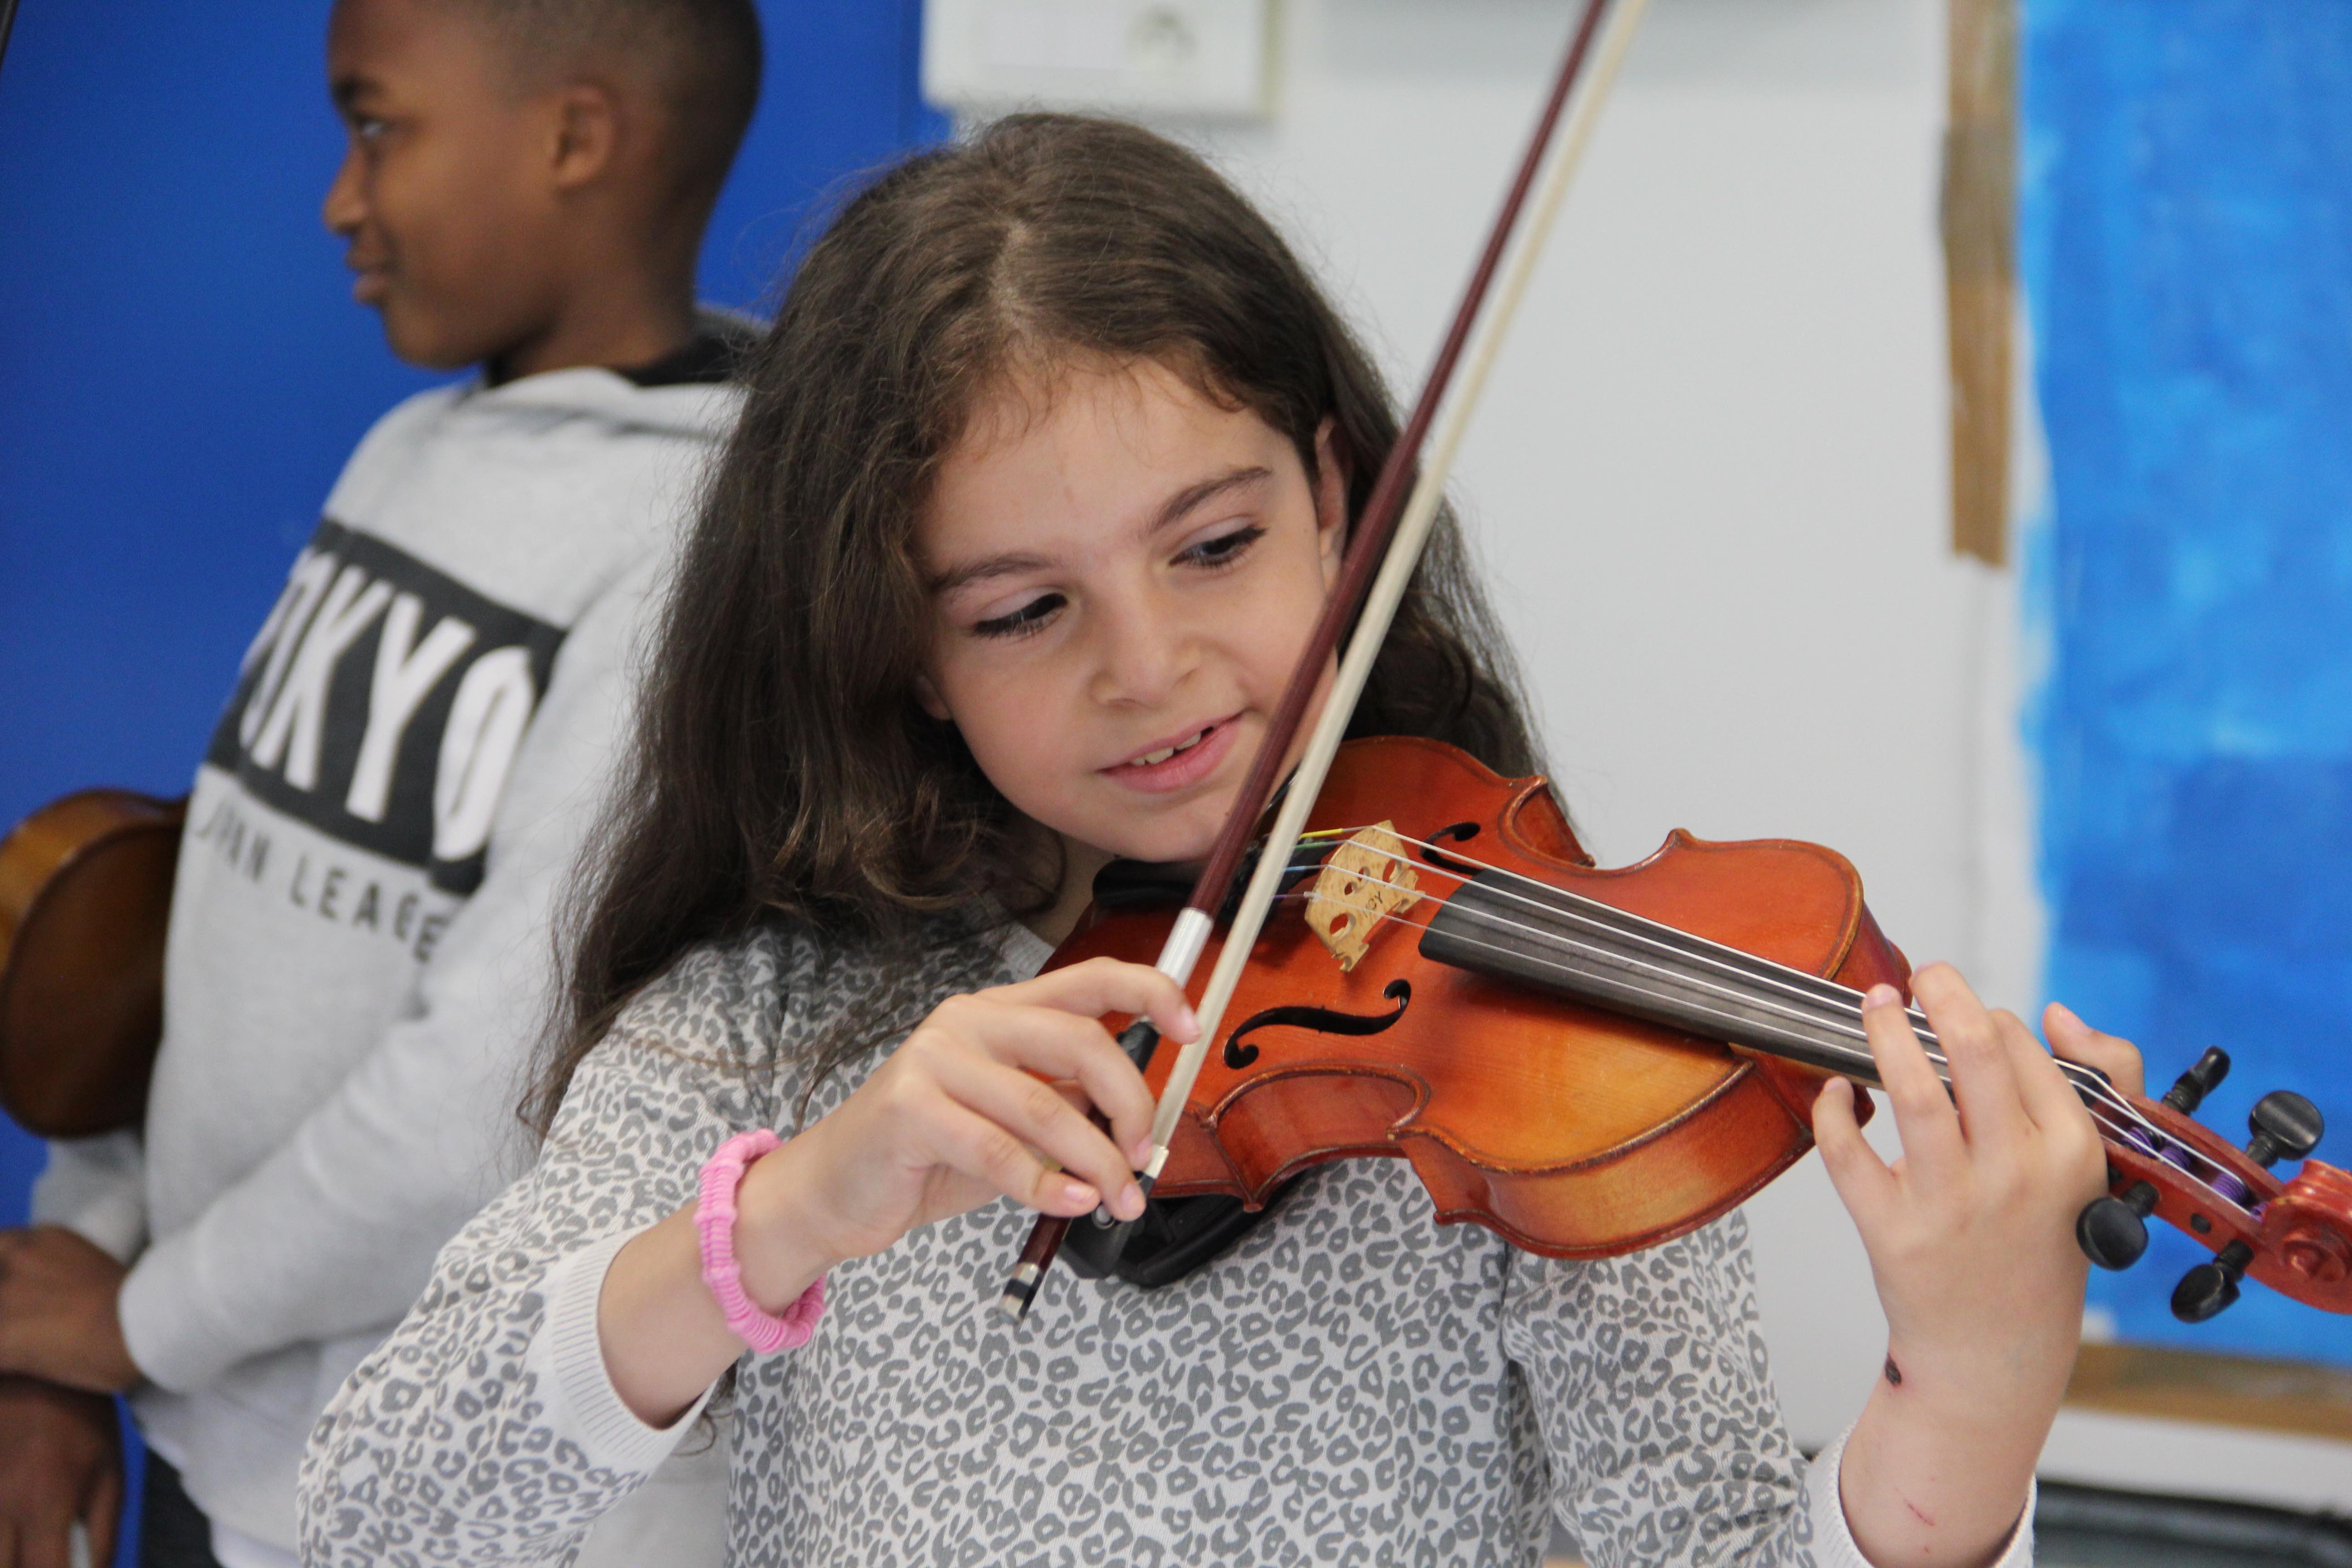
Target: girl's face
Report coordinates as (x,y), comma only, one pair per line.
(1122,575)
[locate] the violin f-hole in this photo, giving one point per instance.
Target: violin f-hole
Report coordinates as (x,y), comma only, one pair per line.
(1459,832)
(1322,1020)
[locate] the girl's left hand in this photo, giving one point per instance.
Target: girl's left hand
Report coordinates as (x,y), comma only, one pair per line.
(1970,1236)
(2078,1042)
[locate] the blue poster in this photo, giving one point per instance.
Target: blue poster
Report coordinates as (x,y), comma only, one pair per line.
(2187,223)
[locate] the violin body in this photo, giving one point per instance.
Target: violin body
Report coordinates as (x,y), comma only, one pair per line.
(85,897)
(1570,1131)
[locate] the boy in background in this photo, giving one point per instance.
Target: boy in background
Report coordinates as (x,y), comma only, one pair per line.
(411,760)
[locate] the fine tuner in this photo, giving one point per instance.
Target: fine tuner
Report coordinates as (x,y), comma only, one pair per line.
(2112,1230)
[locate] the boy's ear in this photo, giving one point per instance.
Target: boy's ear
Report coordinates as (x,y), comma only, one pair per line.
(588,129)
(1331,479)
(927,696)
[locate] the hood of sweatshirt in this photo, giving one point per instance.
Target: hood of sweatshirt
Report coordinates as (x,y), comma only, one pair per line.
(685,393)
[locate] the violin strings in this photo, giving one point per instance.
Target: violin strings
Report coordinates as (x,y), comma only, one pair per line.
(1822,994)
(1808,988)
(1861,1061)
(1592,911)
(2090,1086)
(1832,1025)
(2104,1113)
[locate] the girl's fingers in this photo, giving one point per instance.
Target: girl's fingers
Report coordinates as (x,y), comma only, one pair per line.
(1033,1111)
(1058,1044)
(1932,1145)
(1863,1182)
(2078,1042)
(1984,1081)
(2050,1099)
(966,1142)
(1101,986)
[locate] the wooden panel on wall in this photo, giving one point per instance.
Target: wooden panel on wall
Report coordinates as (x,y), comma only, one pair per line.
(1980,224)
(2226,1390)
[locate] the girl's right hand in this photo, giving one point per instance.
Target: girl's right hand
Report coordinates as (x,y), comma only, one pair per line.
(963,1113)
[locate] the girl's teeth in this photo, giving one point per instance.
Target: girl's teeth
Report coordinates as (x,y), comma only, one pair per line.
(1155,758)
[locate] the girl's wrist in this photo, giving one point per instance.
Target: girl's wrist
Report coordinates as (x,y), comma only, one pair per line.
(1985,1389)
(777,1234)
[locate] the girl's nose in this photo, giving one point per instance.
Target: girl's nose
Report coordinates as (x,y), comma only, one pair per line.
(1143,655)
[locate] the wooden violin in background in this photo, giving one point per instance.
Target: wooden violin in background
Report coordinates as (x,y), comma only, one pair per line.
(85,895)
(1588,1062)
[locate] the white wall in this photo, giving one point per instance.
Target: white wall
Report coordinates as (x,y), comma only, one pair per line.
(1709,481)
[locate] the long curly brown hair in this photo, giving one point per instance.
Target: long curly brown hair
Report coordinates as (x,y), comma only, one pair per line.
(782,769)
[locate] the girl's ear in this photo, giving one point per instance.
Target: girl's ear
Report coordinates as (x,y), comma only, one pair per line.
(1330,502)
(927,697)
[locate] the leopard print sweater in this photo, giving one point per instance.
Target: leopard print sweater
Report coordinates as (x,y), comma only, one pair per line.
(1352,1383)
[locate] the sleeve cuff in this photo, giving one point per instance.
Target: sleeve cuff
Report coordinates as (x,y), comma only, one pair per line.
(1833,1545)
(567,1359)
(172,1342)
(96,1187)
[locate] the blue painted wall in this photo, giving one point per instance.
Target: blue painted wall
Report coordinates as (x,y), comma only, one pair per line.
(182,370)
(2188,250)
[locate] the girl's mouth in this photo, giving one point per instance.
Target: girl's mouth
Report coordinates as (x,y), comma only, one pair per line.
(1174,764)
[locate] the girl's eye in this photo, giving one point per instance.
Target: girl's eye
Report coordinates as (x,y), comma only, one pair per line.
(1224,549)
(367,130)
(1030,618)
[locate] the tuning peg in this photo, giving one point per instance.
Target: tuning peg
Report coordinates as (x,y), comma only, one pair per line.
(2189,1089)
(2286,1126)
(2113,1231)
(2205,1290)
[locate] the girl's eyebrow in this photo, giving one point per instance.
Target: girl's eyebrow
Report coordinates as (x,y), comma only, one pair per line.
(971,571)
(1178,507)
(1207,490)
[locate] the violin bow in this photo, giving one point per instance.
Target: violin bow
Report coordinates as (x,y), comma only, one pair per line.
(1381,557)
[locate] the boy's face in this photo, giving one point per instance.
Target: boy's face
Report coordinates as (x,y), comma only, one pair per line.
(444,196)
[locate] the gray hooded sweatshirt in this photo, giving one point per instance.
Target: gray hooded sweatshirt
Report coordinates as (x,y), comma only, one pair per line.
(379,837)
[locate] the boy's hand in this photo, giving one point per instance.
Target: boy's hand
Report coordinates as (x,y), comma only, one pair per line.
(57,1315)
(60,1462)
(964,1112)
(1970,1235)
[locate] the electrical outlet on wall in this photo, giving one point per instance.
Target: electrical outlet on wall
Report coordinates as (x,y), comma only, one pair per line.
(1177,56)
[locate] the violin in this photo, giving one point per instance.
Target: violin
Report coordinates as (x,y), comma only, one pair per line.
(1588,1062)
(85,897)
(1424,964)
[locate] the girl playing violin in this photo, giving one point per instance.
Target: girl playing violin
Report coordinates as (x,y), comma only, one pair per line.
(1046,466)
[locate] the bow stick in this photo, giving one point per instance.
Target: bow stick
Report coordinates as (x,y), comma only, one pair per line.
(1379,564)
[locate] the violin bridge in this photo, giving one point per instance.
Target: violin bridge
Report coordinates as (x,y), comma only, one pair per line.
(1363,883)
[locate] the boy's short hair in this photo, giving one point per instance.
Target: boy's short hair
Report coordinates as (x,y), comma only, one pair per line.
(703,56)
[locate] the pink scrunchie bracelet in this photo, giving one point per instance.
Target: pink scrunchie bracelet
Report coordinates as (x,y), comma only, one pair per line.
(714,1226)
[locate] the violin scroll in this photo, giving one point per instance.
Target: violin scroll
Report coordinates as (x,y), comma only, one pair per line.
(2295,1236)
